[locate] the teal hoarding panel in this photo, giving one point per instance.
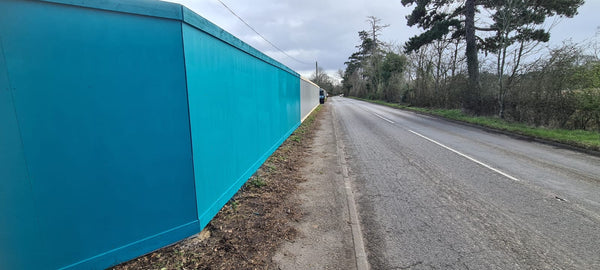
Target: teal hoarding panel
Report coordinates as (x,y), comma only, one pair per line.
(241,110)
(96,141)
(95,155)
(153,8)
(17,222)
(206,26)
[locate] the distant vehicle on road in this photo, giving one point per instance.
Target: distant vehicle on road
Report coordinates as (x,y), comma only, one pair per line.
(322,95)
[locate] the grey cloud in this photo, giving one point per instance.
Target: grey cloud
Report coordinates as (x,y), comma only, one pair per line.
(327,30)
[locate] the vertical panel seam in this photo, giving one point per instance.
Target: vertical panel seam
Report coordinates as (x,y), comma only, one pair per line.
(187,100)
(22,144)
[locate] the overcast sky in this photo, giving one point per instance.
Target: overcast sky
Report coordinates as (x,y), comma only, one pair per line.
(327,30)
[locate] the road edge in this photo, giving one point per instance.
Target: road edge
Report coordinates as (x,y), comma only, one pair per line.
(500,131)
(357,237)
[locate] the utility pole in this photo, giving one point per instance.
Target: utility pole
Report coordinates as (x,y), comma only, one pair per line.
(316,70)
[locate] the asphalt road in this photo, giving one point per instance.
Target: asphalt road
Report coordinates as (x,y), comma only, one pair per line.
(433,194)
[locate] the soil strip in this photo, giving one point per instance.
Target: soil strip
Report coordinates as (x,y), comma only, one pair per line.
(250,228)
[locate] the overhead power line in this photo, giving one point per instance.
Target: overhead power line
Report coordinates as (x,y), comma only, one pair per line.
(252,28)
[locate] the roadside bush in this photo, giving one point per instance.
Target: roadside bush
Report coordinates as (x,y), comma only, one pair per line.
(587,114)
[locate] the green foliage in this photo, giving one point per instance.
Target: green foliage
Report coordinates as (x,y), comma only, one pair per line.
(257,182)
(560,93)
(234,204)
(271,167)
(520,17)
(587,113)
(557,91)
(437,31)
(365,50)
(373,72)
(586,76)
(392,64)
(581,138)
(513,22)
(363,74)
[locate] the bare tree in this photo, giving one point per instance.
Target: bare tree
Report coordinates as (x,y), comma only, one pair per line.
(376,28)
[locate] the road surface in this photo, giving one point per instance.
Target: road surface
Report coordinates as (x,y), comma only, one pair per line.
(433,194)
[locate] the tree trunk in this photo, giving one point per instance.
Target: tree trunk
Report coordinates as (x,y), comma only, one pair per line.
(501,86)
(471,97)
(455,59)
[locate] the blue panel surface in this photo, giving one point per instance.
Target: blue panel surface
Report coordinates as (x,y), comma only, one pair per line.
(17,210)
(96,163)
(206,26)
(241,109)
(95,160)
(154,8)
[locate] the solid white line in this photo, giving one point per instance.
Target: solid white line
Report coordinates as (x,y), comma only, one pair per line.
(467,157)
(389,121)
(374,113)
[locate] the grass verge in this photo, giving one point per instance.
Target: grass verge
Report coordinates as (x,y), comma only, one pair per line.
(588,140)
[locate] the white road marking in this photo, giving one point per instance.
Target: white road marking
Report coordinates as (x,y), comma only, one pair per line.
(389,121)
(374,113)
(467,157)
(455,151)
